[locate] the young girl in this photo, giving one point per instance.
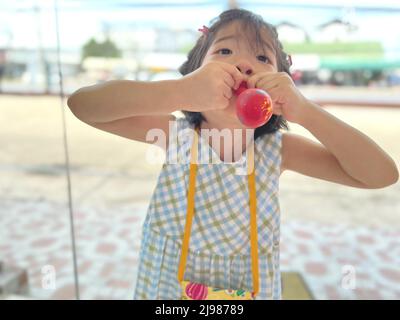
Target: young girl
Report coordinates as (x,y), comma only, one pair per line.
(238,46)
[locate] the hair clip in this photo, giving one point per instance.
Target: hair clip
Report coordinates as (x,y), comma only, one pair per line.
(204,30)
(289,59)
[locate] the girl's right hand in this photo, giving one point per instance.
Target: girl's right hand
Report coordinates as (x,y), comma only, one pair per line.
(210,86)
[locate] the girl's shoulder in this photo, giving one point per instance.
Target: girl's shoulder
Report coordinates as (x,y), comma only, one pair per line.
(180,137)
(182,123)
(270,141)
(269,147)
(182,128)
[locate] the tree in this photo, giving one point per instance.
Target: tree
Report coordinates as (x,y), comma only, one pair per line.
(107,48)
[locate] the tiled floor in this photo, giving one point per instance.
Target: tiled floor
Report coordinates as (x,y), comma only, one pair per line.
(342,262)
(37,234)
(337,261)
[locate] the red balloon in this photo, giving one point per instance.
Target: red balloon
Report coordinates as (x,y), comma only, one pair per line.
(253,106)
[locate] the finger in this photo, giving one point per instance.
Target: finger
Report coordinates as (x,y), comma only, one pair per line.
(281,80)
(253,81)
(276,95)
(237,76)
(227,92)
(229,81)
(268,84)
(277,110)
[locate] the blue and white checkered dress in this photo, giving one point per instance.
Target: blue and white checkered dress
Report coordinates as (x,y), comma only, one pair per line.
(219,253)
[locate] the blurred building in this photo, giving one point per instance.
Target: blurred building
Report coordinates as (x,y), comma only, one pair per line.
(289,32)
(336,30)
(25,70)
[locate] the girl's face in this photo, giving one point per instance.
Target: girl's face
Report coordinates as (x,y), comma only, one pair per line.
(232,45)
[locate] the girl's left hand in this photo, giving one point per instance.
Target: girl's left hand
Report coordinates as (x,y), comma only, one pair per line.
(286,98)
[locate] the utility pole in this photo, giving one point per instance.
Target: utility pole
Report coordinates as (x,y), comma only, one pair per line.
(44,66)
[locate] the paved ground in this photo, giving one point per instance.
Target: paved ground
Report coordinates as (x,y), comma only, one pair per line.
(337,261)
(324,226)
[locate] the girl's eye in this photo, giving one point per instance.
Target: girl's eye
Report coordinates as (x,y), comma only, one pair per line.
(263,58)
(225,51)
(228,51)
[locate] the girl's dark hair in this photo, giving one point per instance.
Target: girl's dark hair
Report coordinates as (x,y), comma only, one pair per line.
(252,23)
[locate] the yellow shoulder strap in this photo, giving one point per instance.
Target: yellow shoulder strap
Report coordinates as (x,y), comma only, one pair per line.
(190,213)
(190,207)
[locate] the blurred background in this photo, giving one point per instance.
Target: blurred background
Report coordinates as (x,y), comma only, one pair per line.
(342,242)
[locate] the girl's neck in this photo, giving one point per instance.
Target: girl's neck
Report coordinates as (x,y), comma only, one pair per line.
(235,146)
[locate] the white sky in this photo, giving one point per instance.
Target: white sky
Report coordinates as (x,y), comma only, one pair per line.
(80,20)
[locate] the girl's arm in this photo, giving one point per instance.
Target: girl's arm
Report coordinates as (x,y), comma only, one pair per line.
(209,87)
(119,99)
(346,155)
(131,108)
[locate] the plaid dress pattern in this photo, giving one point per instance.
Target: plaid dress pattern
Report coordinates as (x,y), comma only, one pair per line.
(219,250)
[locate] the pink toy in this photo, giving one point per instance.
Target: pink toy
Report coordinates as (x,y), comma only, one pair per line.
(196,291)
(253,106)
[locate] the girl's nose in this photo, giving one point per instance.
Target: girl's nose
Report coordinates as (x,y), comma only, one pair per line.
(245,68)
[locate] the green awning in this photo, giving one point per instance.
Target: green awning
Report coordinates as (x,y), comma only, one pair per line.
(372,48)
(346,56)
(354,63)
